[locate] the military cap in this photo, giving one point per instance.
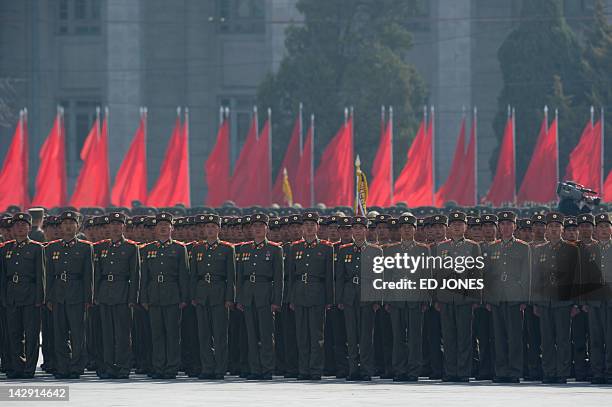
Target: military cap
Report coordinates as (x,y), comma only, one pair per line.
(488,218)
(344,222)
(507,216)
(163,217)
(603,218)
(440,220)
(570,222)
(407,220)
(117,217)
(101,220)
(554,217)
(275,223)
(22,217)
(524,223)
(208,218)
(295,219)
(332,220)
(382,218)
(394,222)
(473,221)
(69,215)
(284,220)
(586,218)
(473,212)
(420,222)
(457,216)
(129,222)
(6,223)
(149,221)
(260,217)
(138,220)
(90,223)
(538,218)
(310,216)
(225,220)
(246,220)
(359,220)
(178,222)
(48,220)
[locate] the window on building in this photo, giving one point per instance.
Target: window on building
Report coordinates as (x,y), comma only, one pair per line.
(79,17)
(79,116)
(240,16)
(241,112)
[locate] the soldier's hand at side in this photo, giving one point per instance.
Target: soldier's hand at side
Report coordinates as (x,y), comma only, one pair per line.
(438,306)
(182,305)
(131,305)
(50,306)
(536,311)
(292,306)
(341,307)
(585,308)
(523,307)
(328,306)
(228,305)
(240,307)
(424,307)
(275,308)
(574,311)
(376,307)
(388,307)
(145,306)
(488,307)
(194,302)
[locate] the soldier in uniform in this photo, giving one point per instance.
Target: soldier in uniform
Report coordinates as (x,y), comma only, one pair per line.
(116,283)
(141,341)
(524,231)
(259,292)
(164,293)
(287,315)
(213,274)
(554,274)
(95,233)
(596,299)
(406,308)
(339,226)
(358,314)
(456,305)
(22,269)
(506,292)
(52,233)
(383,332)
(69,293)
(311,275)
(5,230)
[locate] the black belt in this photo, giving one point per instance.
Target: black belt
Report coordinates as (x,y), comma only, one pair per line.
(164,279)
(354,280)
(255,278)
(115,277)
(211,278)
(68,277)
(16,278)
(305,278)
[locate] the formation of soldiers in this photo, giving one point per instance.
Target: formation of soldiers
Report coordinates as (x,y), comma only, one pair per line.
(264,294)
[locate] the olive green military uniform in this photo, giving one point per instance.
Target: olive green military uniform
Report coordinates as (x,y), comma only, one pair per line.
(456,309)
(358,315)
(555,268)
(406,311)
(69,288)
(22,266)
(311,276)
(117,277)
(259,284)
(164,286)
(506,282)
(213,274)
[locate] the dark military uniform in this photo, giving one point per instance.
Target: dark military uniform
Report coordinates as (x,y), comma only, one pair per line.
(554,276)
(287,315)
(456,306)
(311,274)
(213,274)
(164,286)
(506,281)
(259,284)
(358,315)
(117,277)
(22,265)
(406,309)
(337,317)
(69,289)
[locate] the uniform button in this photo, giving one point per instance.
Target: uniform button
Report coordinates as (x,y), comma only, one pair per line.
(306,264)
(254,264)
(111,262)
(208,264)
(161,262)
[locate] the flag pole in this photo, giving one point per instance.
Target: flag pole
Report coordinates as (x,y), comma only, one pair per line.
(221,116)
(269,192)
(301,130)
(186,135)
(256,122)
(106,111)
(475,125)
(433,154)
(98,121)
(391,152)
(601,181)
(514,153)
(312,193)
(557,143)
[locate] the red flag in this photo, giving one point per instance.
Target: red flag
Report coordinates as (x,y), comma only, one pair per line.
(452,187)
(14,173)
(92,185)
(218,168)
(540,181)
(264,173)
(244,182)
(584,166)
(502,188)
(290,162)
(381,186)
(607,192)
(172,186)
(335,178)
(131,179)
(466,194)
(302,187)
(415,183)
(51,177)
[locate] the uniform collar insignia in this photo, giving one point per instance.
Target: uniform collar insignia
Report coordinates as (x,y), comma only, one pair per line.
(70,242)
